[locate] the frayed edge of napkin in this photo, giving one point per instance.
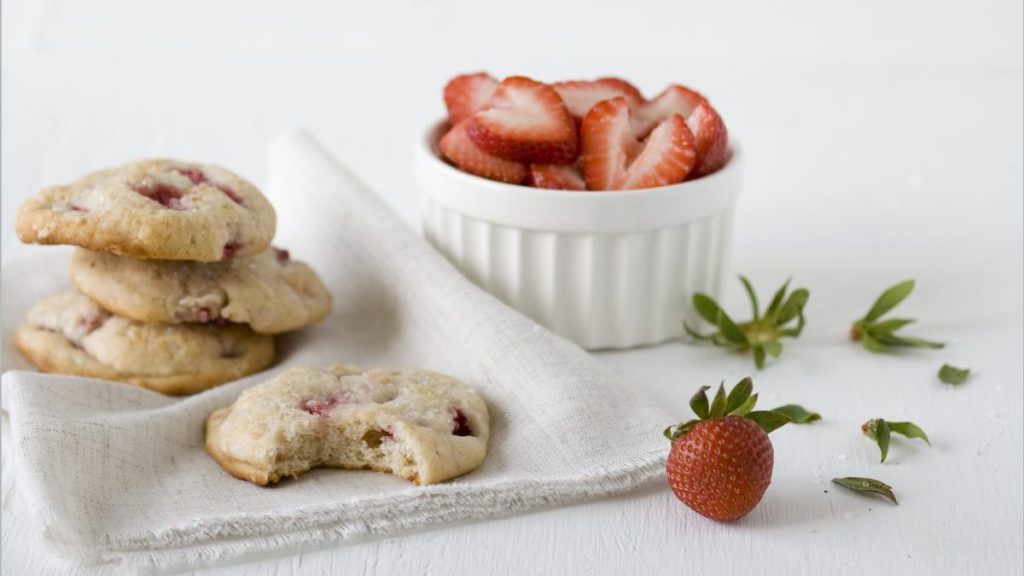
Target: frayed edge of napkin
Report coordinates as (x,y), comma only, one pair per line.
(223,540)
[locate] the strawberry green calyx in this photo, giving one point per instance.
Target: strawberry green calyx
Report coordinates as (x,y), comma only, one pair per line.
(763,333)
(740,402)
(879,335)
(880,430)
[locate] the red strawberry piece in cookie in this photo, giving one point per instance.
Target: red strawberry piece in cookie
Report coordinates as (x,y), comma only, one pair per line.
(231,250)
(466,94)
(324,406)
(556,177)
(422,426)
(270,292)
(712,140)
(197,177)
(281,255)
(165,195)
(462,151)
(88,324)
(675,99)
(70,334)
(525,121)
(152,209)
(581,95)
(461,427)
(613,159)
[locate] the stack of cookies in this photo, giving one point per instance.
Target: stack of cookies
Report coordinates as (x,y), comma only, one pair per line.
(177,287)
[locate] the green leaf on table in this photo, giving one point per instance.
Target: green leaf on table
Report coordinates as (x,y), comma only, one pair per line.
(910,430)
(794,305)
(797,413)
(878,335)
(693,333)
(762,334)
(889,300)
(751,295)
(953,375)
(881,430)
(729,329)
(906,341)
(874,345)
(867,486)
(759,356)
(773,306)
(891,325)
(706,307)
(881,433)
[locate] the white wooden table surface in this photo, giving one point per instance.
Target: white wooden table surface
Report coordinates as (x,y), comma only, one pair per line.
(883,140)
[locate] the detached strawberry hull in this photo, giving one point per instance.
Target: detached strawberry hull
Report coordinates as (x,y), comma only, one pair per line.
(604,269)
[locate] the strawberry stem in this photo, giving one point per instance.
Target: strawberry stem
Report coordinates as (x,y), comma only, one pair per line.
(738,402)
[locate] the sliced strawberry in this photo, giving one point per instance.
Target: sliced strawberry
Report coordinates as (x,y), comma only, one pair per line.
(525,121)
(613,159)
(675,99)
(556,177)
(464,153)
(466,94)
(581,95)
(711,137)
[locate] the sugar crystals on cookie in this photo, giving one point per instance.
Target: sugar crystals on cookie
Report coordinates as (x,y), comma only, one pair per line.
(420,425)
(68,333)
(271,292)
(179,288)
(162,209)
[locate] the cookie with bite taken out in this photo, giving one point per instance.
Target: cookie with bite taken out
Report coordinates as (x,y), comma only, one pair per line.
(422,426)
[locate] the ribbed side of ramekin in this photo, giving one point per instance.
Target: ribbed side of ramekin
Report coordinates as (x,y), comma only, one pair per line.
(601,290)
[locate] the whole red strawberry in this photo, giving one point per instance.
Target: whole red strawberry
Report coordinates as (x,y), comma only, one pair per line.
(721,463)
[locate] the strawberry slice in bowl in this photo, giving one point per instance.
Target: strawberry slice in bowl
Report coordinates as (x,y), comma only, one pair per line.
(556,177)
(676,99)
(712,140)
(467,94)
(459,148)
(582,95)
(525,121)
(613,158)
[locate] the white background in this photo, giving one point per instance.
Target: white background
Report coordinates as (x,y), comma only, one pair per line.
(883,141)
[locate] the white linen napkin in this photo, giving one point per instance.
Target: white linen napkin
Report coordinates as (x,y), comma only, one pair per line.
(113,473)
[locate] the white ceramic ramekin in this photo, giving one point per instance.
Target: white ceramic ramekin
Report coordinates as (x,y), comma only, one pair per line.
(605,269)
